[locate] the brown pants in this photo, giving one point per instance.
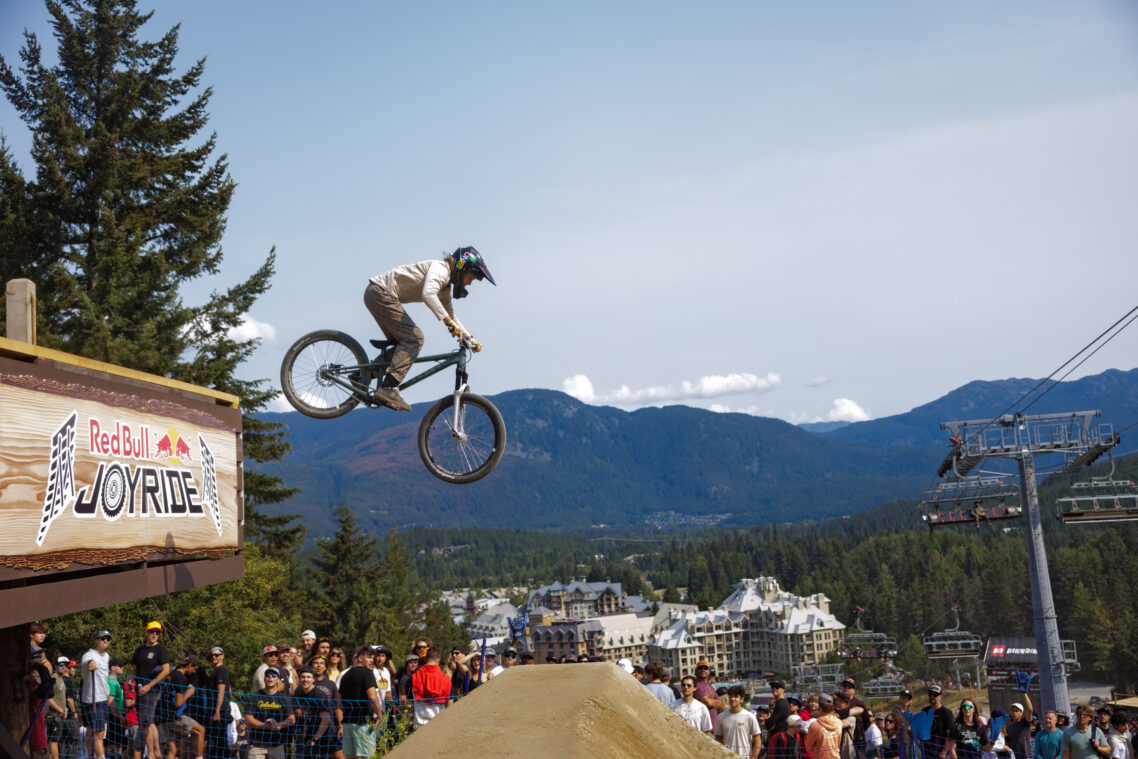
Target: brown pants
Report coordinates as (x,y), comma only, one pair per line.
(392,318)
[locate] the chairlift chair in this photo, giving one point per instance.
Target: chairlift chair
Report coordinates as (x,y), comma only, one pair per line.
(1099,500)
(952,643)
(866,644)
(971,500)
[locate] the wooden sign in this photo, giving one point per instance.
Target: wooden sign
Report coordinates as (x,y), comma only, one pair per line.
(106,467)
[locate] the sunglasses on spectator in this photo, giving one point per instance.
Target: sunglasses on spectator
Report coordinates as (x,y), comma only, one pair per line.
(270,674)
(420,648)
(966,706)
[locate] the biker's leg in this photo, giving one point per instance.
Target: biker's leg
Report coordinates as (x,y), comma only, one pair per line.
(398,326)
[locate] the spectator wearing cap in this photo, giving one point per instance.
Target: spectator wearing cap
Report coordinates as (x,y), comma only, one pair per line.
(527,658)
(1017,733)
(287,663)
(95,692)
(1102,718)
(270,657)
(404,687)
(361,703)
(218,716)
(873,736)
(779,710)
(62,725)
(705,692)
(150,666)
(862,721)
(307,643)
(824,737)
(122,712)
(269,716)
(171,714)
(942,732)
(431,687)
(692,711)
(509,659)
(786,744)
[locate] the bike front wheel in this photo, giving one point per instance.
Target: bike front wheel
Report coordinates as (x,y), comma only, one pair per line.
(462,445)
(315,370)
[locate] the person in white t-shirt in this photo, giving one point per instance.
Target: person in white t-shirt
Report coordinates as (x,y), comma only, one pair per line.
(737,729)
(96,667)
(693,712)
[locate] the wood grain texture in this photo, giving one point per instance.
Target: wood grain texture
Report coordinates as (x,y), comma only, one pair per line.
(32,409)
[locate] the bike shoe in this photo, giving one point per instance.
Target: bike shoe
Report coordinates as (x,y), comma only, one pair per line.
(390,396)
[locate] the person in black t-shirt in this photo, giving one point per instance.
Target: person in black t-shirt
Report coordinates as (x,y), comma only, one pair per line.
(271,712)
(359,703)
(217,716)
(150,665)
(942,734)
(1017,733)
(314,715)
(327,689)
(170,714)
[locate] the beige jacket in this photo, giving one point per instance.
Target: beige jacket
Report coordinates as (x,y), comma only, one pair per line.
(423,282)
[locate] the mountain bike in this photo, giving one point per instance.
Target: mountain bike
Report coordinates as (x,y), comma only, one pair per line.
(327,373)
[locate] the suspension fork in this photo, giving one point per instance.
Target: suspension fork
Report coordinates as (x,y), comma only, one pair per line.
(461,380)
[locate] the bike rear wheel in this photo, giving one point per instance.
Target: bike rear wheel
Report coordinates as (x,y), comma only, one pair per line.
(467,456)
(310,370)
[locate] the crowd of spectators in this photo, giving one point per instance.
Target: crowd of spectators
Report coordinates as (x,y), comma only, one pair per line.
(320,700)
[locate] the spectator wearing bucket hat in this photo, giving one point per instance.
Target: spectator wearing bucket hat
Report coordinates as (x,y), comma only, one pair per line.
(150,666)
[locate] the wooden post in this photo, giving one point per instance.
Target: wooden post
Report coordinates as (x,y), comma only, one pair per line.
(20,310)
(20,321)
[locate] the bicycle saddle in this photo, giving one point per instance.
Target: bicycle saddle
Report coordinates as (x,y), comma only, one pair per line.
(381,344)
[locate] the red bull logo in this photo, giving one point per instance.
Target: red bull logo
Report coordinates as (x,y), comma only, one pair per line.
(120,440)
(172,447)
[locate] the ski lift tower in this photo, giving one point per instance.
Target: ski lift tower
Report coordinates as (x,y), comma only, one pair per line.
(1080,440)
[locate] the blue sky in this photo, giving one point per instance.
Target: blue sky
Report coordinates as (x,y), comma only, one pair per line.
(804,210)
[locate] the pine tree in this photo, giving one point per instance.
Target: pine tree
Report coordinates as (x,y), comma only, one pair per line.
(127,205)
(343,582)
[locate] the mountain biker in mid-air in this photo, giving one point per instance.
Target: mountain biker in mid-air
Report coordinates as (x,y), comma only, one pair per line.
(422,282)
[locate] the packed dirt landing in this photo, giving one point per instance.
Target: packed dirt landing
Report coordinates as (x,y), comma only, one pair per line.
(553,711)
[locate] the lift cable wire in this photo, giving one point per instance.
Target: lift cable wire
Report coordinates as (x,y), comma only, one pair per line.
(1076,366)
(1045,380)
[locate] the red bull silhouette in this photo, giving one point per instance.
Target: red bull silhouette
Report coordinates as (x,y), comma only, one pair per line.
(182,450)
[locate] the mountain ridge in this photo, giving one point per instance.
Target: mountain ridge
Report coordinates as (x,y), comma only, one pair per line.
(570,466)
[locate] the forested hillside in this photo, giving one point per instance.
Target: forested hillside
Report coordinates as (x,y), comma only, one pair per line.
(885,560)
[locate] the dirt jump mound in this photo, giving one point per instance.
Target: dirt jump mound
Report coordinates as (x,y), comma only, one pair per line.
(566,710)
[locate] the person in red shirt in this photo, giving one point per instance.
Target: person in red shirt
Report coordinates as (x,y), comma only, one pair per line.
(432,688)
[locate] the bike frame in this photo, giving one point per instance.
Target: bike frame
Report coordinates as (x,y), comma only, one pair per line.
(456,358)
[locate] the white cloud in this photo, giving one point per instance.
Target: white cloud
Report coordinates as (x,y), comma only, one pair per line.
(278,403)
(719,408)
(250,329)
(818,381)
(845,410)
(712,386)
